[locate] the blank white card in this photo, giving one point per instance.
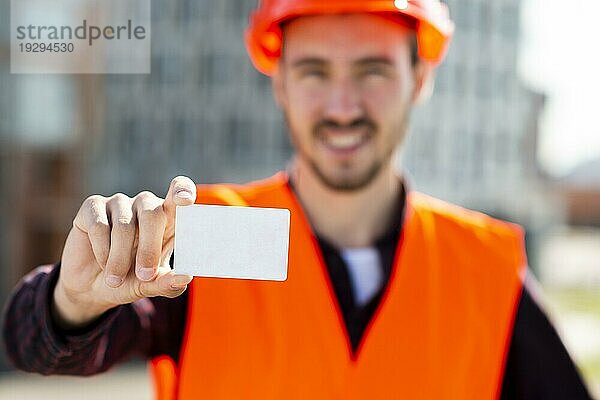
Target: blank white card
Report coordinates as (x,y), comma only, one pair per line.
(232,242)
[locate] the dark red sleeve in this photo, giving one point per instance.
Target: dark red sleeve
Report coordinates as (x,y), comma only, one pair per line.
(146,328)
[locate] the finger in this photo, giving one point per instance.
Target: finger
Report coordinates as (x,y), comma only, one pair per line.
(167,284)
(92,219)
(166,258)
(152,221)
(182,192)
(122,237)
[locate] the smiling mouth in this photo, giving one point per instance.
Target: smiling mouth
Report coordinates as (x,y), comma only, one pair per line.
(345,140)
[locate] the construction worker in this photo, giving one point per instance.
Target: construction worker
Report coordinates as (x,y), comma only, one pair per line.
(390,293)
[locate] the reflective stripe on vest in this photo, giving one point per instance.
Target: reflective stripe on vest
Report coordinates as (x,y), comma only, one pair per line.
(441,331)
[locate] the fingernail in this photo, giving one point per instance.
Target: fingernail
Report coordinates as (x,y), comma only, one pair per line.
(177,287)
(184,194)
(181,280)
(113,280)
(145,273)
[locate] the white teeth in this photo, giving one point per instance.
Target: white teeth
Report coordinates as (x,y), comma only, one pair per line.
(344,141)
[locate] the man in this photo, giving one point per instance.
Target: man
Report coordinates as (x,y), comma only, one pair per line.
(390,293)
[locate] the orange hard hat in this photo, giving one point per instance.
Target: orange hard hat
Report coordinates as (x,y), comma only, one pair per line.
(430,19)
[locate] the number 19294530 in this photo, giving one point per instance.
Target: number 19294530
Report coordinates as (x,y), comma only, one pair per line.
(46,47)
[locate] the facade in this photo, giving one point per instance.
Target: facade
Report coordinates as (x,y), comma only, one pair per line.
(204,111)
(474,143)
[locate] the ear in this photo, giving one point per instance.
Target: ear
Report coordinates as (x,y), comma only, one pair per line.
(278,89)
(424,75)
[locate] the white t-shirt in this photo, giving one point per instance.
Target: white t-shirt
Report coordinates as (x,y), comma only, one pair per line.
(364,268)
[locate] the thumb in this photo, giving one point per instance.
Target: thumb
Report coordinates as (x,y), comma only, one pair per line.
(166,284)
(182,192)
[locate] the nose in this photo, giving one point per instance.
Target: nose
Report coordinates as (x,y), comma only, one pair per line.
(343,102)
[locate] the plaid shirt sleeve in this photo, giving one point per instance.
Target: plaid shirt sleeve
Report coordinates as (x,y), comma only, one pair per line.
(146,328)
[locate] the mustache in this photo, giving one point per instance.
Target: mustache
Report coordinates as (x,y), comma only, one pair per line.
(357,123)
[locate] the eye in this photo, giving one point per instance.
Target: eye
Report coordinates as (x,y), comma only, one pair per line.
(312,72)
(375,70)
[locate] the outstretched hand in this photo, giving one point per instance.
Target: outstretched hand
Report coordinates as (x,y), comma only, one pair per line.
(118,252)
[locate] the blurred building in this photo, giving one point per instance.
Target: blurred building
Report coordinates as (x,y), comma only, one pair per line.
(580,191)
(42,119)
(569,257)
(205,112)
(570,253)
(474,143)
(39,174)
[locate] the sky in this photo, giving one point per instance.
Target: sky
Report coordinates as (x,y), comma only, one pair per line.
(560,56)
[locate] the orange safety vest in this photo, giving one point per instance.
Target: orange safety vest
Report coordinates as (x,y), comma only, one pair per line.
(441,331)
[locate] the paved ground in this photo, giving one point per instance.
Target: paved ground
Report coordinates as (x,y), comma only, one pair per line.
(128,383)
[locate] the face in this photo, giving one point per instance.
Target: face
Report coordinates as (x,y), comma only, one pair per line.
(346,86)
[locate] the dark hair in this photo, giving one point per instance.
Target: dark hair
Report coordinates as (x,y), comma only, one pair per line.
(414,50)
